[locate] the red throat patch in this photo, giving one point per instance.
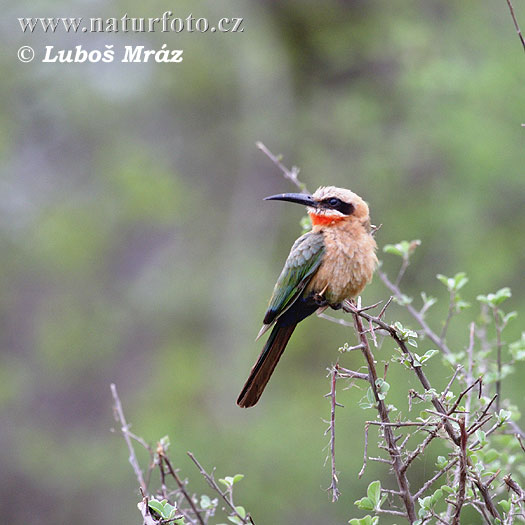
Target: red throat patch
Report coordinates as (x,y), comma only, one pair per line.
(323,219)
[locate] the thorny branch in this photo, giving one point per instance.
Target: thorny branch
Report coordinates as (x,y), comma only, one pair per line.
(334,372)
(393,449)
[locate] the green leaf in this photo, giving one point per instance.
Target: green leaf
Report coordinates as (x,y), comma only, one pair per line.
(428,355)
(227,481)
(241,511)
(157,506)
(441,462)
(517,349)
(503,416)
(505,505)
(206,502)
(382,388)
(438,494)
(490,455)
(428,300)
(444,279)
(237,478)
(364,503)
(494,299)
(374,492)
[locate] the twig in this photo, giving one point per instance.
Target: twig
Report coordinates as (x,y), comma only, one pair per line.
(415,314)
(450,314)
(291,175)
(180,484)
(499,347)
(452,379)
(469,377)
(365,456)
(460,499)
(434,478)
(516,25)
(213,484)
(124,427)
(333,485)
(143,506)
(345,373)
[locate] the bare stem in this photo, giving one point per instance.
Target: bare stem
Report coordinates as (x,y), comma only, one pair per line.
(213,484)
(181,486)
(124,427)
(499,347)
(291,175)
(516,25)
(333,486)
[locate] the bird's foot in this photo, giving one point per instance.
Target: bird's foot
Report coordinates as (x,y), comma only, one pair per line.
(319,300)
(337,306)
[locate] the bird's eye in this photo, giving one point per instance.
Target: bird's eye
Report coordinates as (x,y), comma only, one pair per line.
(333,201)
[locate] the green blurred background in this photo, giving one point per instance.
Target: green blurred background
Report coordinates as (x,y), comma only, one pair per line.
(136,248)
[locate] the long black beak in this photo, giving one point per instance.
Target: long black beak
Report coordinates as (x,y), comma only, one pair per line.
(299,198)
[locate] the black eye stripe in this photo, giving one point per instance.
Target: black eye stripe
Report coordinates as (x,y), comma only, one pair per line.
(337,204)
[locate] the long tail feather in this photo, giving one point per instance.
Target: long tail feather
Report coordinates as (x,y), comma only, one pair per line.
(265,365)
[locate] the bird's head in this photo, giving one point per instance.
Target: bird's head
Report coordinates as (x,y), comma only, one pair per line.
(330,205)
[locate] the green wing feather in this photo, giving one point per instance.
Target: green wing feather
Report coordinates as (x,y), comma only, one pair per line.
(304,259)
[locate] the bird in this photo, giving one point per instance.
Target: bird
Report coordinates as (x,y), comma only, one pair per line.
(332,262)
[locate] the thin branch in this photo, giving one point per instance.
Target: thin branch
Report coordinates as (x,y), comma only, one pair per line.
(291,175)
(469,376)
(516,25)
(415,314)
(213,484)
(124,427)
(333,485)
(365,456)
(434,478)
(452,379)
(180,484)
(499,347)
(460,499)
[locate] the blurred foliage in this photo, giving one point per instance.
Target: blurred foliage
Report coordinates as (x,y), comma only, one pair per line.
(136,248)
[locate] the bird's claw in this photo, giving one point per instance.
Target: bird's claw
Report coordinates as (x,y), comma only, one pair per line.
(319,300)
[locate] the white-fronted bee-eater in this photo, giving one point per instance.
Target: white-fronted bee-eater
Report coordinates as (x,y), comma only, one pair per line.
(332,262)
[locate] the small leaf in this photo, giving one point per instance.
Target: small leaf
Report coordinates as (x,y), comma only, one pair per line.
(517,349)
(237,478)
(460,280)
(374,492)
(157,506)
(241,511)
(364,503)
(505,505)
(441,462)
(490,455)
